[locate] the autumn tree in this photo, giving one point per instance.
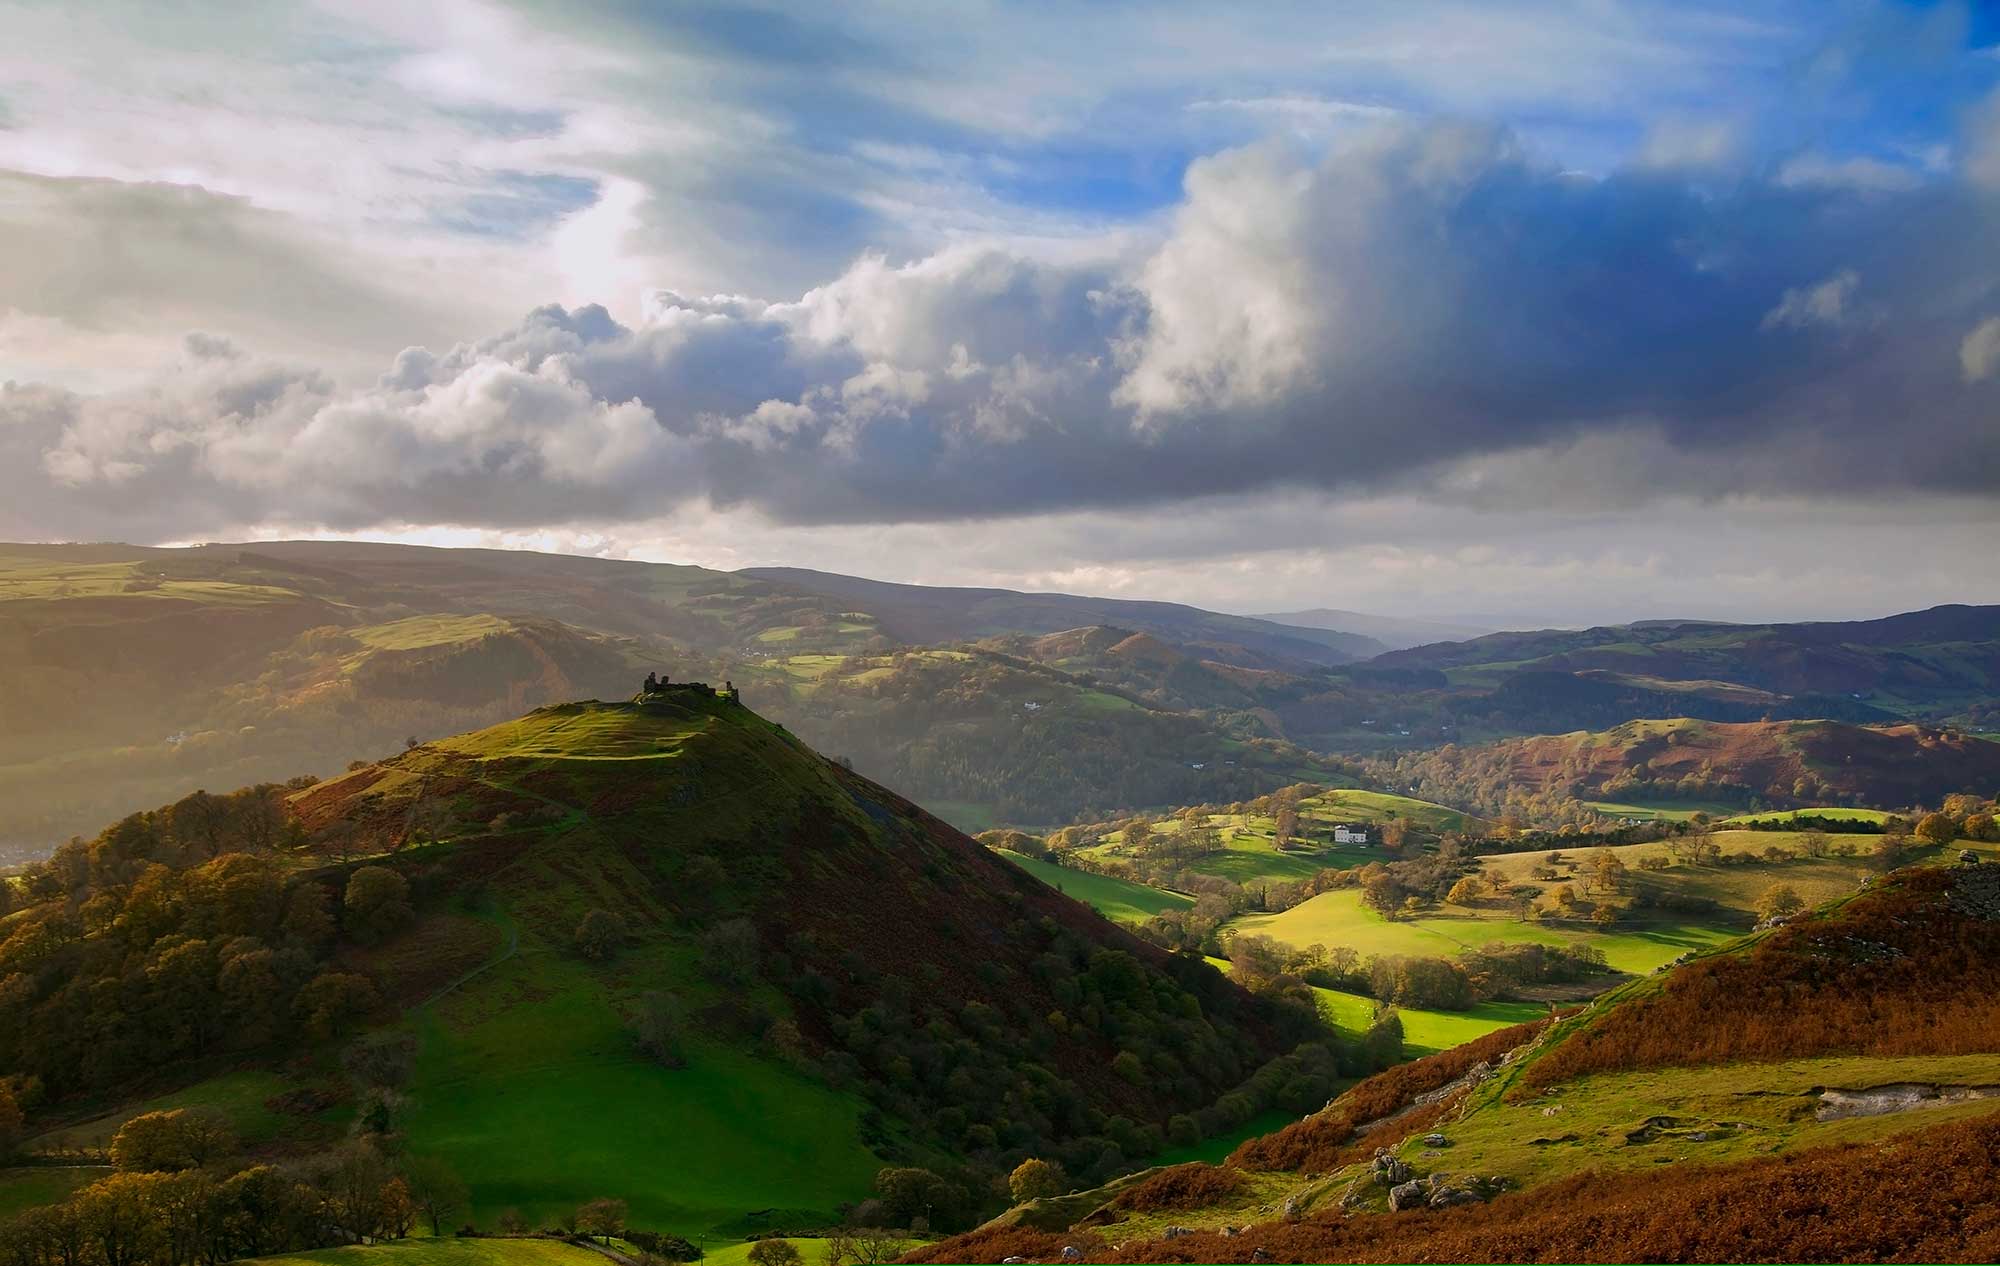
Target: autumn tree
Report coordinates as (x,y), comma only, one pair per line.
(1778,901)
(1937,828)
(603,1217)
(1034,1179)
(376,904)
(173,1139)
(1467,890)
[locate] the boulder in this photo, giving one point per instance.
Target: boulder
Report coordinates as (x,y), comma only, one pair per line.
(1071,1253)
(1436,1140)
(1410,1195)
(1175,1232)
(1446,1197)
(1390,1169)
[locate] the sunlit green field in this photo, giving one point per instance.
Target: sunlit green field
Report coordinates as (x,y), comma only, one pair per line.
(1340,918)
(1119,900)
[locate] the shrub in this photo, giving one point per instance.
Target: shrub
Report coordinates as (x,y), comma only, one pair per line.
(599,935)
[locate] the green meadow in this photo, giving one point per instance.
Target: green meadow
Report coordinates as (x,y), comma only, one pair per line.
(1120,900)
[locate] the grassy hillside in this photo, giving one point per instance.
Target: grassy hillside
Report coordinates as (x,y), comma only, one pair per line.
(1008,740)
(743,1048)
(1729,1110)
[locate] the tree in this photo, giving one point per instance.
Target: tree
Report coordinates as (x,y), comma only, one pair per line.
(1287,825)
(1778,901)
(1467,890)
(1607,870)
(656,1027)
(332,1001)
(436,1190)
(376,904)
(1034,1179)
(599,935)
(1981,826)
(1937,828)
(1816,843)
(174,1139)
(1138,835)
(775,1253)
(512,1223)
(603,1217)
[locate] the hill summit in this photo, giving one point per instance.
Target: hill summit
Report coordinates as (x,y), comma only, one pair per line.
(657,950)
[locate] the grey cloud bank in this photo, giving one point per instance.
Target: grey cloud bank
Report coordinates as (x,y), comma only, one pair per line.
(1420,308)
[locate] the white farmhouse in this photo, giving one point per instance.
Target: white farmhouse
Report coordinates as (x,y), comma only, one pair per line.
(1350,835)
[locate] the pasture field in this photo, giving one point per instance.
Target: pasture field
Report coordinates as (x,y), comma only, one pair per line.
(1793,815)
(447,1251)
(1656,810)
(419,631)
(1339,918)
(26,1186)
(539,1048)
(1734,886)
(1120,900)
(1426,1032)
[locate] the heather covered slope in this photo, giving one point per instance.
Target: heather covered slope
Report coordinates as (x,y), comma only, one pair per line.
(1805,1071)
(1709,764)
(659,951)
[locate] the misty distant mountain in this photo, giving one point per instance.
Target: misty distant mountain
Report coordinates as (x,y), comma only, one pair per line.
(1394,632)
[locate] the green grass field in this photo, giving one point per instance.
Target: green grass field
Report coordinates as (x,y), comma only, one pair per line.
(1120,900)
(445,1252)
(1656,810)
(419,631)
(26,1186)
(538,1049)
(1339,918)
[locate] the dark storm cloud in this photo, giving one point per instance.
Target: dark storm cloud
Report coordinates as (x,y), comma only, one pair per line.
(1422,308)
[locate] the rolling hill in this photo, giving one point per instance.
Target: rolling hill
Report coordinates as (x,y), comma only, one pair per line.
(927,614)
(1742,766)
(656,950)
(1822,1091)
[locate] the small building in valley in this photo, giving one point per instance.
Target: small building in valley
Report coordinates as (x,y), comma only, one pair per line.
(1345,834)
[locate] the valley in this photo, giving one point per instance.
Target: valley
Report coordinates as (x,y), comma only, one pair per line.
(726,952)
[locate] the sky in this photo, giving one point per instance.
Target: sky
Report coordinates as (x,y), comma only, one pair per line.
(1534,313)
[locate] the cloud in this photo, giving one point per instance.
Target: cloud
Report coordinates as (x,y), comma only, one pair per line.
(1825,303)
(1817,171)
(1979,353)
(1423,310)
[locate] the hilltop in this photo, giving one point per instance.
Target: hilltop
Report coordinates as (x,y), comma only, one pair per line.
(1822,1090)
(132,673)
(658,950)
